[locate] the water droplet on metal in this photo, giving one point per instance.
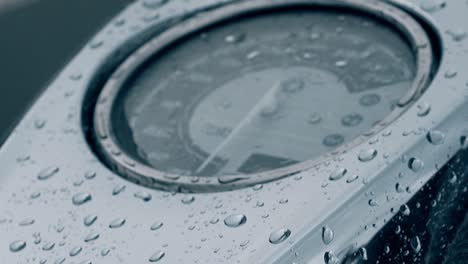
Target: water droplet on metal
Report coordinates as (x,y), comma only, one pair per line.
(117,223)
(279,235)
(91,237)
(47,173)
(17,245)
(433,5)
(188,199)
(75,251)
(48,246)
(423,109)
(415,164)
(235,220)
(367,155)
(156,225)
(118,189)
(146,197)
(337,174)
(89,220)
(90,175)
(81,198)
(327,235)
(435,137)
(157,256)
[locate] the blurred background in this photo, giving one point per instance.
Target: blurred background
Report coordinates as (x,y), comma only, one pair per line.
(38,38)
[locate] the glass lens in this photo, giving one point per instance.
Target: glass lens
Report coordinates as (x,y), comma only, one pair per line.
(263,92)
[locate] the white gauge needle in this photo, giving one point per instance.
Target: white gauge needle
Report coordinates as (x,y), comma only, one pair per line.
(266,99)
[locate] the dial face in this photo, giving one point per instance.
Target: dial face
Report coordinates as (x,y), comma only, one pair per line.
(262,92)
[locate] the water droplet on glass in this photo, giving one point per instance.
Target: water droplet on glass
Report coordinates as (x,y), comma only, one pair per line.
(333,140)
(105,252)
(39,123)
(279,235)
(405,210)
(283,201)
(373,203)
(117,223)
(435,137)
(235,38)
(327,235)
(257,187)
(235,220)
(352,178)
(17,245)
(337,174)
(157,256)
(367,155)
(81,198)
(415,164)
(146,197)
(351,120)
(47,173)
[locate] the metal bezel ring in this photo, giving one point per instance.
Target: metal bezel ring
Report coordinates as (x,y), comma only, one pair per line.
(136,171)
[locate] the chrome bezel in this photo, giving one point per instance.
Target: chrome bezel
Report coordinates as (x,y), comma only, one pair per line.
(136,171)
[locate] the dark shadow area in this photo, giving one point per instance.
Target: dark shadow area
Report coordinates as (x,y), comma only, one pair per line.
(37,41)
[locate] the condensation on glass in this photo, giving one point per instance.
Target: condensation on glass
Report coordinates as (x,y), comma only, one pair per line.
(262,93)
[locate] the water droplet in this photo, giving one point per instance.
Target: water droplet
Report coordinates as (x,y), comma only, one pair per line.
(341,63)
(433,5)
(47,173)
(373,203)
(327,235)
(118,189)
(235,38)
(423,109)
(105,252)
(96,43)
(39,123)
(157,256)
(154,4)
(35,195)
(293,85)
(435,137)
(363,253)
(81,198)
(449,74)
(235,220)
(333,140)
(146,197)
(330,258)
(257,187)
(367,155)
(91,237)
(337,174)
(90,175)
(75,251)
(314,118)
(352,178)
(27,222)
(351,120)
(458,34)
(283,201)
(405,210)
(89,220)
(188,199)
(369,99)
(279,235)
(17,245)
(156,226)
(48,246)
(415,164)
(415,244)
(117,223)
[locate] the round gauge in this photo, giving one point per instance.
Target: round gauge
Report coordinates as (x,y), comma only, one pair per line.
(258,94)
